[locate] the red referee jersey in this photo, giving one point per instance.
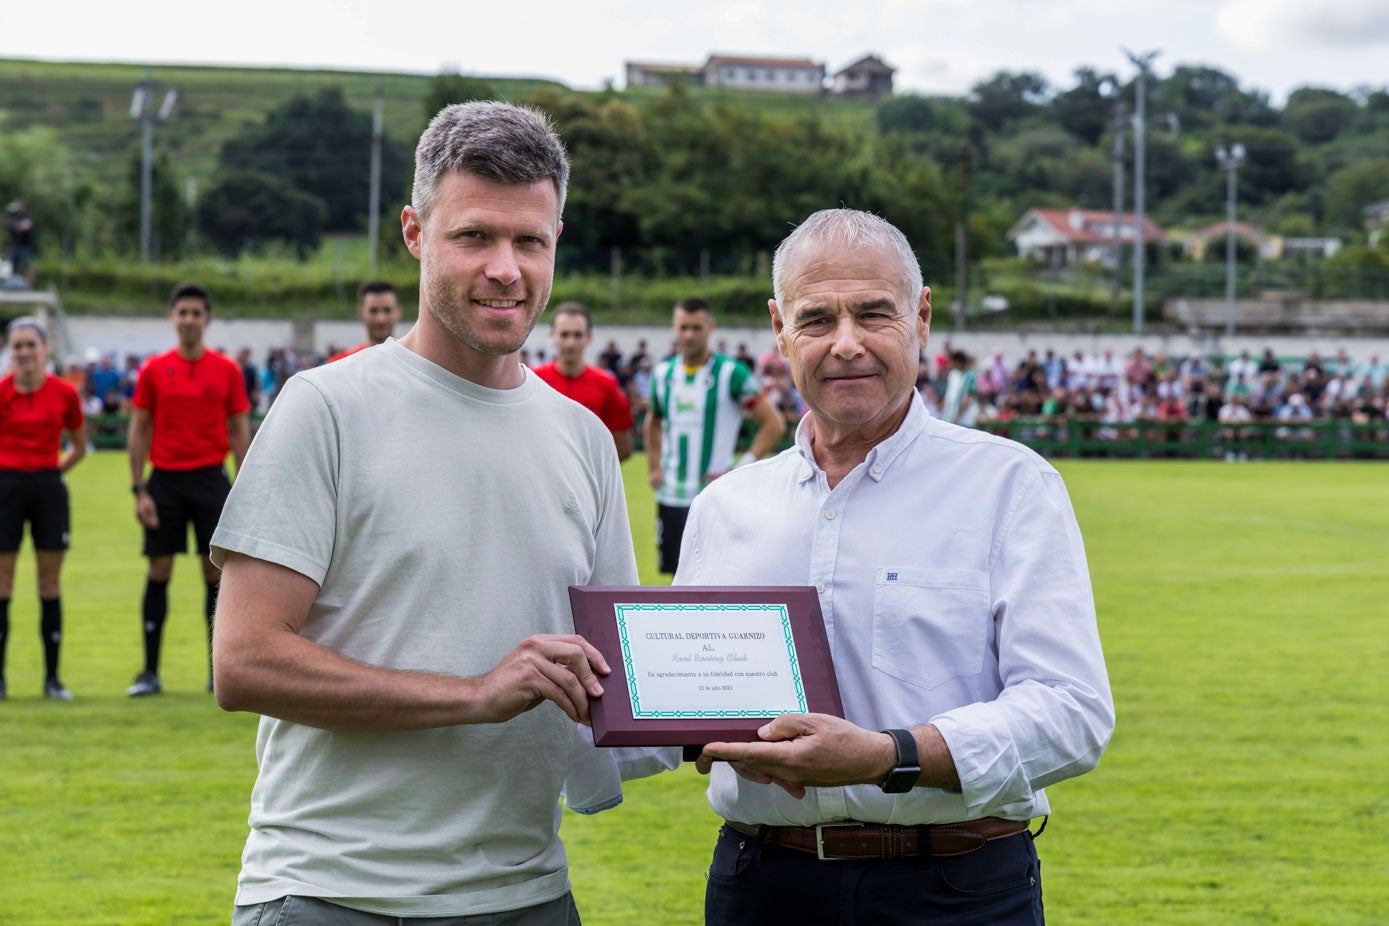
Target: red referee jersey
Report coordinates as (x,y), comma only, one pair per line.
(349,352)
(189,402)
(594,389)
(32,423)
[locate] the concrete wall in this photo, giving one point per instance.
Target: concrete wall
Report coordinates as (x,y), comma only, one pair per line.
(1285,315)
(146,335)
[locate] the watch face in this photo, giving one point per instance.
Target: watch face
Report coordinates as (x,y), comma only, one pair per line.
(901,780)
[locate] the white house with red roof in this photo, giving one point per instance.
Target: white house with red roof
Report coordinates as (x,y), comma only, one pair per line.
(1068,237)
(783,75)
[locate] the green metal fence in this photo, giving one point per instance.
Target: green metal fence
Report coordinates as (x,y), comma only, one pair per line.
(1201,440)
(1198,440)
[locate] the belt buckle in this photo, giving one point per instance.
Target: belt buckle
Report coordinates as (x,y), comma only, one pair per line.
(820,839)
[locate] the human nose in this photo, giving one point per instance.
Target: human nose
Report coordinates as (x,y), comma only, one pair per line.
(847,343)
(502,265)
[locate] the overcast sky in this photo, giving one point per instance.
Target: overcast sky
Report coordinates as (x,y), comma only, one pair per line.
(937,46)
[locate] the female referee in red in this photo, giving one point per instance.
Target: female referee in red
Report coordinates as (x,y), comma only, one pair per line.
(35,410)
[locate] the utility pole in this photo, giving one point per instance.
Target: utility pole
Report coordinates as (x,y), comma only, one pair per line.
(1229,160)
(142,108)
(1143,63)
(374,197)
(962,243)
(1117,152)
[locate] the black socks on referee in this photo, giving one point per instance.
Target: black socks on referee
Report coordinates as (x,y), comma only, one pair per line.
(155,610)
(4,633)
(51,629)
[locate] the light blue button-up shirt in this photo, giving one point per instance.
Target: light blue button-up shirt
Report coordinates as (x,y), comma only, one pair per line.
(954,587)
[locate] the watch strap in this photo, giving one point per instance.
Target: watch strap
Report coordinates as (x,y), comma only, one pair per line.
(903,776)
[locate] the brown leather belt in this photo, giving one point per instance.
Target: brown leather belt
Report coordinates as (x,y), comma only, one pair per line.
(851,840)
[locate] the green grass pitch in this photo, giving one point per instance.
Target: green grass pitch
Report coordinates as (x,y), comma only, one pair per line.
(1245,617)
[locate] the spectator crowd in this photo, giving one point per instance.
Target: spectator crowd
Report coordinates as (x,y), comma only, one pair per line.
(1117,390)
(1101,387)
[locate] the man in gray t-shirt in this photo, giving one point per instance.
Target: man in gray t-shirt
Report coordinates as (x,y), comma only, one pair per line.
(396,556)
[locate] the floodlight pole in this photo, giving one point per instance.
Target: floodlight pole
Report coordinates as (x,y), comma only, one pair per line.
(1118,154)
(142,108)
(1230,160)
(1142,62)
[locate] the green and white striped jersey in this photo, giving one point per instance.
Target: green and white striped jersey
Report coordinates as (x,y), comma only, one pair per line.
(701,414)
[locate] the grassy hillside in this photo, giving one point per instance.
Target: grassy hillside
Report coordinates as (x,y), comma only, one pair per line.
(88,104)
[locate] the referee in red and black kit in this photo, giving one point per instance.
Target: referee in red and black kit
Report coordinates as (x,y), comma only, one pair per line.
(36,411)
(189,409)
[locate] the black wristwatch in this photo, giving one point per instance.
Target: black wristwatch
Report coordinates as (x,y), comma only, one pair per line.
(137,488)
(902,777)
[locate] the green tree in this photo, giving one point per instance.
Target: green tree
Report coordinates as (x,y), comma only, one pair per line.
(1006,98)
(1087,109)
(1350,189)
(1204,96)
(1316,115)
(451,87)
(608,154)
(321,146)
(64,199)
(170,215)
(243,210)
(1271,167)
(937,128)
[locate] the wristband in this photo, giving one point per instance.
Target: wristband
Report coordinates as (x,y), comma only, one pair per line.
(137,488)
(744,460)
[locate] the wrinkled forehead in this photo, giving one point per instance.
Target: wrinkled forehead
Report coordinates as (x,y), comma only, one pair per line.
(826,276)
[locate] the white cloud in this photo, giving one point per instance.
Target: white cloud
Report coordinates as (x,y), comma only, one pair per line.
(1287,25)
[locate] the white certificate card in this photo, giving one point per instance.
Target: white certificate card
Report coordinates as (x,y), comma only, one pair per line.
(710,660)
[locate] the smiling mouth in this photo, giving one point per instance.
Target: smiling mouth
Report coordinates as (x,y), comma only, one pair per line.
(499,303)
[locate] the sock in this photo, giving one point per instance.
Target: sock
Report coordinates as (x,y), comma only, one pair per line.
(51,629)
(4,633)
(155,609)
(209,609)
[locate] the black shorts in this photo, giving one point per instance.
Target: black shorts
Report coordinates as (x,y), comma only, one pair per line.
(670,530)
(40,498)
(195,495)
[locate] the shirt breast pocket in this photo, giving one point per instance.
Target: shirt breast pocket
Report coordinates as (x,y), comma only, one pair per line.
(930,625)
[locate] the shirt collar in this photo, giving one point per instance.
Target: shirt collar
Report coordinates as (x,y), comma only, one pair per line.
(881,456)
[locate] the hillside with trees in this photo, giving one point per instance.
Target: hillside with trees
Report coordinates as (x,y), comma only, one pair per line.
(683,181)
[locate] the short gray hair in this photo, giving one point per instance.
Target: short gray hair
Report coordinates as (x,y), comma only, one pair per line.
(845,228)
(495,141)
(28,321)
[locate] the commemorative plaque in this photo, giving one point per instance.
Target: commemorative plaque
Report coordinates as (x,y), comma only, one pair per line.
(699,664)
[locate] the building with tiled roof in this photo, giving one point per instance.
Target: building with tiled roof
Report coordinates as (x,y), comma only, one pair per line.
(1067,237)
(781,75)
(869,77)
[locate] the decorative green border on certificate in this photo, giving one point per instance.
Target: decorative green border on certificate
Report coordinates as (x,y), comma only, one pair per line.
(639,714)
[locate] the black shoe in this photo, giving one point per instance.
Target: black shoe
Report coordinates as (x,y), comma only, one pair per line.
(146,683)
(52,688)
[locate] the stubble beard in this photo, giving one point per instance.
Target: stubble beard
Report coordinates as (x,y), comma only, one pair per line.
(493,340)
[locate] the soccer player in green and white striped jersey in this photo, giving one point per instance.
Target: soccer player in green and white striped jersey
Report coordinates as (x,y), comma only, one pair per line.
(698,401)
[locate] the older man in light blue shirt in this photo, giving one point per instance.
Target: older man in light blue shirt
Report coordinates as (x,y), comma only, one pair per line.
(957,602)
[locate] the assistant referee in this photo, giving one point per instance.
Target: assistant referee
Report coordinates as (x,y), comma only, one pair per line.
(36,410)
(190,408)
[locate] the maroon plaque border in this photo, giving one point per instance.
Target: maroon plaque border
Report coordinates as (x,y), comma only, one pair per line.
(595,619)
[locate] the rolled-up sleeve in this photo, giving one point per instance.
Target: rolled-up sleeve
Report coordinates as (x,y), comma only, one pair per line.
(1055,713)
